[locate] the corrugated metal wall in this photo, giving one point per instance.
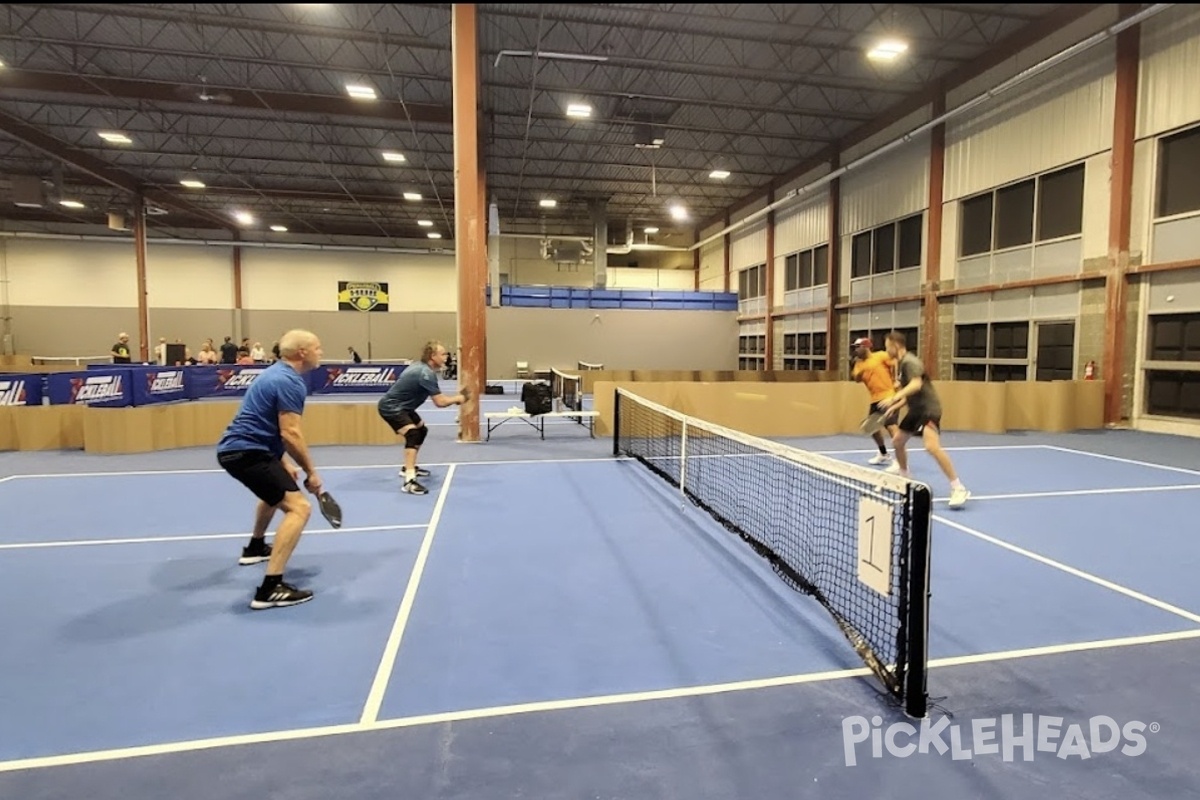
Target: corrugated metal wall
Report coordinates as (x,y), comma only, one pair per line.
(748,246)
(1168,92)
(802,226)
(893,187)
(1061,116)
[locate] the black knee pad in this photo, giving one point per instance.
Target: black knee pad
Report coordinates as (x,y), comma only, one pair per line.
(415,436)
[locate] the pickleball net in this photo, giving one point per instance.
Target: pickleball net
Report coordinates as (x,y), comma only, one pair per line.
(567,390)
(853,538)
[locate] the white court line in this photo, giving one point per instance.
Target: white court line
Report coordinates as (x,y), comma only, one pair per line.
(8,478)
(1078,573)
(194,745)
(951,449)
(1124,460)
(388,662)
(206,470)
(1079,492)
(199,537)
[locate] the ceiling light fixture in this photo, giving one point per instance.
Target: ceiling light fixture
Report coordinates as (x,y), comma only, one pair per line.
(279,228)
(425,223)
(191,183)
(360,92)
(651,230)
(70,204)
(579,110)
(679,213)
(113,137)
(412,196)
(546,202)
(719,174)
(434,235)
(394,157)
(244,217)
(887,50)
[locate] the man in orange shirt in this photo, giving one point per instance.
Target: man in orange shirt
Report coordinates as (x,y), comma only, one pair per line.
(874,370)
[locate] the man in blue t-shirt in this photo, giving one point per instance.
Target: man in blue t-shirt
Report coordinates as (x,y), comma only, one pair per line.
(399,405)
(266,426)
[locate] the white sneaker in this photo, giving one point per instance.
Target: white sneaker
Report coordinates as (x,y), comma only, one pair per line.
(893,468)
(880,458)
(958,497)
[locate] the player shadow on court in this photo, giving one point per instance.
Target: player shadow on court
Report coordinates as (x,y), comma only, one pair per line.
(198,591)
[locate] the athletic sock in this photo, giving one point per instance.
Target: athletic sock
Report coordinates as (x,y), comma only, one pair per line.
(410,475)
(271,582)
(956,484)
(882,450)
(257,543)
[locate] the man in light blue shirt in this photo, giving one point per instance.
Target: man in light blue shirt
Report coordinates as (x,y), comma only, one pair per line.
(266,426)
(399,405)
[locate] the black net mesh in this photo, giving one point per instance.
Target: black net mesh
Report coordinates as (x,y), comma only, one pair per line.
(841,533)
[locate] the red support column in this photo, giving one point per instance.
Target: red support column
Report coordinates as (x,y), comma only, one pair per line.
(1120,202)
(139,250)
(470,229)
(933,240)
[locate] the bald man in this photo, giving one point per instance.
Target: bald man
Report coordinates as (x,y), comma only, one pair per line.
(252,450)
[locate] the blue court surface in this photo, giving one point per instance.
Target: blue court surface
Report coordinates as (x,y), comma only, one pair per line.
(552,622)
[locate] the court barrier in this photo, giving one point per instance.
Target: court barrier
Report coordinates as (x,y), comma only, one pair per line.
(121,386)
(825,408)
(812,408)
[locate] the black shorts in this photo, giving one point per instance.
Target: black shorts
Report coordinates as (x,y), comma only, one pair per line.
(260,472)
(401,420)
(914,422)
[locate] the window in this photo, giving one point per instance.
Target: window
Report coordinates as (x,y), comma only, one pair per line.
(1010,340)
(1047,206)
(977,225)
(1060,203)
(1055,351)
(1014,215)
(909,252)
(860,255)
(1174,337)
(970,341)
(807,268)
(804,351)
(752,282)
(821,265)
(878,338)
(1173,392)
(999,351)
(752,351)
(896,245)
(1178,164)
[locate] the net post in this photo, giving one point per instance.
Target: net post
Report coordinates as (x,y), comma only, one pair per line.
(916,692)
(683,458)
(616,422)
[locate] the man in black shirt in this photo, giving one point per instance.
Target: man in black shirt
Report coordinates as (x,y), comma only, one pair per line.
(120,350)
(229,351)
(924,417)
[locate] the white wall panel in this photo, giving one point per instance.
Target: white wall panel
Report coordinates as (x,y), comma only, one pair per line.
(886,136)
(87,274)
(712,266)
(1174,292)
(1167,93)
(893,187)
(1061,116)
(639,278)
(189,277)
(300,280)
(748,246)
(1097,177)
(802,226)
(1176,240)
(1142,199)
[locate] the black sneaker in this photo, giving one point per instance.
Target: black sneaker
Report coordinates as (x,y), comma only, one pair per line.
(281,595)
(255,553)
(412,487)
